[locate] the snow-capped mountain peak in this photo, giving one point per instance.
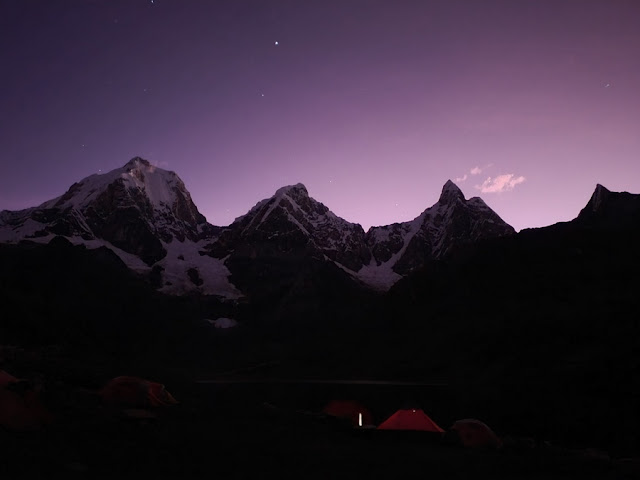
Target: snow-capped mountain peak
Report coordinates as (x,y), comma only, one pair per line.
(136,162)
(142,212)
(297,190)
(401,248)
(291,220)
(450,193)
(140,181)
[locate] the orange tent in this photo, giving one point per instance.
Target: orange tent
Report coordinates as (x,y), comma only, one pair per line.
(356,413)
(475,434)
(410,419)
(20,407)
(135,392)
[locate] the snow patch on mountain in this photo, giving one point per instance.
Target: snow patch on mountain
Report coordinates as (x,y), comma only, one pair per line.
(212,272)
(181,256)
(133,262)
(378,277)
(382,276)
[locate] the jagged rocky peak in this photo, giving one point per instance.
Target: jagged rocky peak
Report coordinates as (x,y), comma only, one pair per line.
(450,193)
(596,202)
(612,209)
(599,196)
(295,201)
(292,219)
(452,221)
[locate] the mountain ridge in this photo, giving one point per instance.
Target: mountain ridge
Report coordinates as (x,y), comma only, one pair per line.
(145,214)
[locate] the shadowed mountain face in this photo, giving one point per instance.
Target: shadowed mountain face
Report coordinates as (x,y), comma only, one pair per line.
(611,209)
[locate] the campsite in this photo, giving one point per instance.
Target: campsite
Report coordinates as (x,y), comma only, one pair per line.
(320,239)
(239,427)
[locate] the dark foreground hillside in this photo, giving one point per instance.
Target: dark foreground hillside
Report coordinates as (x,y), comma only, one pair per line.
(536,334)
(253,431)
(543,327)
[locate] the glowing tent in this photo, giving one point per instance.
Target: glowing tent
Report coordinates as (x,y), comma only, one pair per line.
(410,419)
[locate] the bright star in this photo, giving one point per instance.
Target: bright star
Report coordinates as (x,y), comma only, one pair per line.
(276,43)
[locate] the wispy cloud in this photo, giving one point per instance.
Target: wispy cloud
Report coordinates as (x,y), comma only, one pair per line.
(501,183)
(474,171)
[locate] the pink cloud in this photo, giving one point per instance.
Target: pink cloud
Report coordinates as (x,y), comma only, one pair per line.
(474,171)
(501,183)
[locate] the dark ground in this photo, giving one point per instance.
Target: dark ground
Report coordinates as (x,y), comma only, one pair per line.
(537,335)
(260,430)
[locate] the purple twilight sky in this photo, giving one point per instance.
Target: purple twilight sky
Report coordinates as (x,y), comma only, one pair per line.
(371,104)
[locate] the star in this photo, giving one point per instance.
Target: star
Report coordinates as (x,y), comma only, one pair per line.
(276,43)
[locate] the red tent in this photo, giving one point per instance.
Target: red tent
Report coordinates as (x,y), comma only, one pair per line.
(355,412)
(136,392)
(410,419)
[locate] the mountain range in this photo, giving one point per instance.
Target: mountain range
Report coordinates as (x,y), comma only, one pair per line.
(530,330)
(146,216)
